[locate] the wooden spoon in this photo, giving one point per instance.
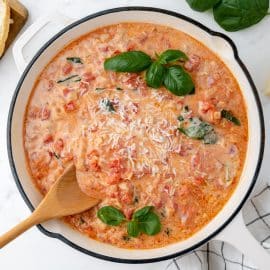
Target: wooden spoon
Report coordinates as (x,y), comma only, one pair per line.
(63,199)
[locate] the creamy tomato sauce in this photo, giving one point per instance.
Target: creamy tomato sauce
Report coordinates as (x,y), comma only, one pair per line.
(123,137)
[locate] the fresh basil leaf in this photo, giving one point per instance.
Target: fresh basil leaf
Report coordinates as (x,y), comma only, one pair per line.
(133,61)
(172,56)
(150,224)
(99,89)
(178,81)
(234,15)
(106,105)
(155,75)
(229,116)
(142,212)
(76,60)
(202,5)
(196,129)
(72,78)
(110,215)
(133,228)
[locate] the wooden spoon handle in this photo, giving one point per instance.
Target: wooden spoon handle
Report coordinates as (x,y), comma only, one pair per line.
(19,229)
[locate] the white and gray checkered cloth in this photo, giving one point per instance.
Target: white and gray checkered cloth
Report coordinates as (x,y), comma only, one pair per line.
(217,255)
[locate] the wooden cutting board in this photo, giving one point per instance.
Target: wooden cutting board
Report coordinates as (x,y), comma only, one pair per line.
(17,17)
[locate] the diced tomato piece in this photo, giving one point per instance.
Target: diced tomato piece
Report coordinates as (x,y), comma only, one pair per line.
(93,128)
(205,106)
(126,192)
(193,63)
(94,166)
(45,113)
(143,38)
(48,138)
(196,160)
(58,145)
(70,106)
(67,68)
(167,188)
(199,180)
(104,49)
(131,47)
(115,165)
(34,112)
(50,85)
(114,178)
(84,88)
(66,91)
(88,77)
(134,107)
(91,162)
(116,52)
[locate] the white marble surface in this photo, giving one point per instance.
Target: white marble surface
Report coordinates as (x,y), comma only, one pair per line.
(34,250)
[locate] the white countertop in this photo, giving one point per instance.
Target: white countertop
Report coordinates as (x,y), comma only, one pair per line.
(33,250)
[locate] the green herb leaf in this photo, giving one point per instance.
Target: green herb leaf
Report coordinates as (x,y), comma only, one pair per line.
(76,60)
(119,88)
(178,81)
(72,78)
(133,61)
(172,56)
(142,212)
(133,228)
(150,224)
(155,75)
(202,5)
(99,89)
(107,105)
(110,215)
(229,116)
(196,129)
(234,15)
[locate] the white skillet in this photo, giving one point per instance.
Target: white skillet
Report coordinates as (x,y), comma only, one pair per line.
(228,225)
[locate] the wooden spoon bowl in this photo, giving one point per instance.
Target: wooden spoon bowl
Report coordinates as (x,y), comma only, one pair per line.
(64,198)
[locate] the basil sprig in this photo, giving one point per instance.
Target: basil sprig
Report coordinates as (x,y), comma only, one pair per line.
(230,117)
(159,72)
(110,215)
(144,220)
(202,5)
(133,61)
(235,15)
(178,81)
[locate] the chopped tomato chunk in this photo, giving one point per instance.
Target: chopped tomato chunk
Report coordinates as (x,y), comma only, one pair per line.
(88,77)
(45,113)
(193,63)
(70,106)
(66,91)
(48,138)
(67,68)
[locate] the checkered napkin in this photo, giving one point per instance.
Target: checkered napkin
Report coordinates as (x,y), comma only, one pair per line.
(217,255)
